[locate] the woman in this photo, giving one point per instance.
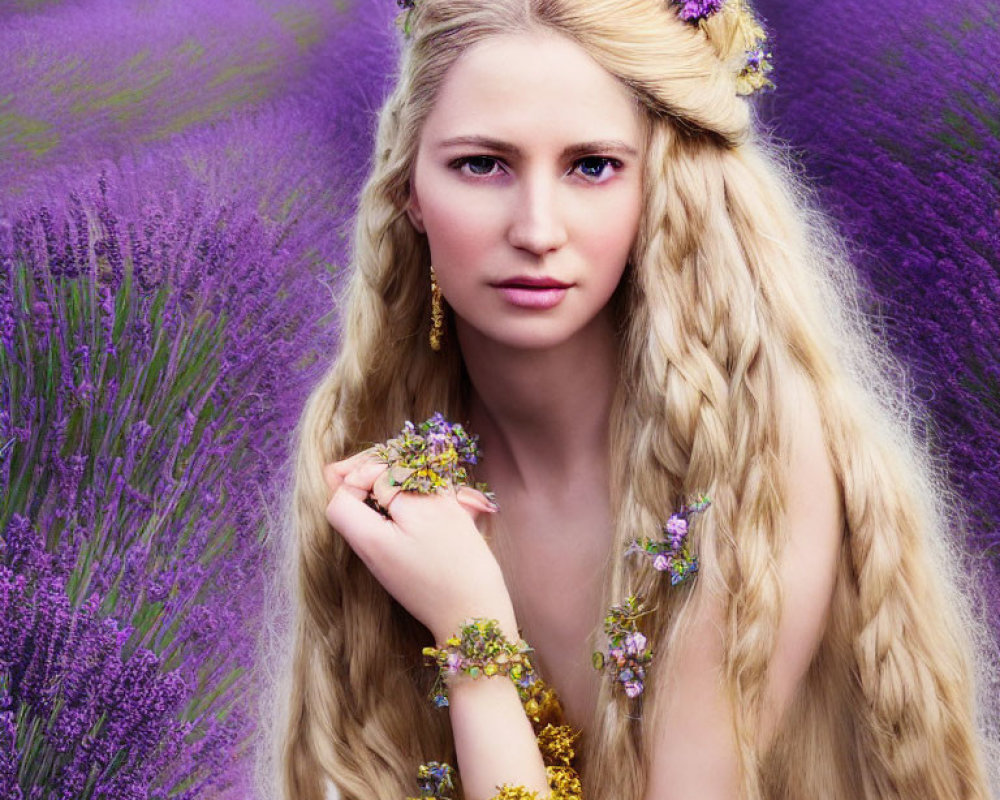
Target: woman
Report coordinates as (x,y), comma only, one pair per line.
(640,306)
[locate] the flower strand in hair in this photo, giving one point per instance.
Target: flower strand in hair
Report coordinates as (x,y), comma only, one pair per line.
(627,652)
(672,554)
(752,75)
(695,10)
(628,655)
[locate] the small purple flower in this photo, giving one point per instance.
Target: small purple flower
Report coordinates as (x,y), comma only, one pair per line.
(677,527)
(9,756)
(41,319)
(526,680)
(672,554)
(695,10)
(633,688)
(436,779)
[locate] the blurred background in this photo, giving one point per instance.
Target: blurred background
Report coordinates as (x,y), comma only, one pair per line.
(177,179)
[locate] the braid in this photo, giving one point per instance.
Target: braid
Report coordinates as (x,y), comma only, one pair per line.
(907,649)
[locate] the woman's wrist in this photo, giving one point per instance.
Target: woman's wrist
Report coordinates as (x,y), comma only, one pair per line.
(504,617)
(480,648)
(521,712)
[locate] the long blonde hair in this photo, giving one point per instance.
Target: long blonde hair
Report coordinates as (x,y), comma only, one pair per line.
(735,279)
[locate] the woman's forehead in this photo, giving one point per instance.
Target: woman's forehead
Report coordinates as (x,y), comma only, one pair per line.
(530,85)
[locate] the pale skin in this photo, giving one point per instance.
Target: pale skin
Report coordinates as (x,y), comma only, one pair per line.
(528,203)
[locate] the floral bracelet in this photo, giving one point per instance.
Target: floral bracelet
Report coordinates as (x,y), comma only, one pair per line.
(480,649)
(436,782)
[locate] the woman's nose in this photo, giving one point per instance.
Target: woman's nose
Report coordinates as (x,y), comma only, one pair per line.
(537,223)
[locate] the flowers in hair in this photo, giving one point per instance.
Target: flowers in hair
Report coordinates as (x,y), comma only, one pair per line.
(403,20)
(628,653)
(752,75)
(672,554)
(695,10)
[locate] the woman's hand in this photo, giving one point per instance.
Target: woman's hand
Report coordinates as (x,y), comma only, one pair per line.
(428,553)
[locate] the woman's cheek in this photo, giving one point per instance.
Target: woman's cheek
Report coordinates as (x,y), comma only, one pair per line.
(464,226)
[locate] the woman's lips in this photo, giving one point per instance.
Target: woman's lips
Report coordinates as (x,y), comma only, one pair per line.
(538,296)
(532,298)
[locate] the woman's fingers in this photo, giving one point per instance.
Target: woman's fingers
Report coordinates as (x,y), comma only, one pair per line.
(335,472)
(474,501)
(346,465)
(388,486)
(364,471)
(365,527)
(332,477)
(364,475)
(348,512)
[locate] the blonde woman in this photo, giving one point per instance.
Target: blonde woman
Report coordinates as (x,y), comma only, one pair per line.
(633,303)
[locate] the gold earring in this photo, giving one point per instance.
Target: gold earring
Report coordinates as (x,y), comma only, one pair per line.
(437,314)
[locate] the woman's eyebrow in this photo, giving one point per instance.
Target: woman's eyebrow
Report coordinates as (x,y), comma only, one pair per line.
(579,149)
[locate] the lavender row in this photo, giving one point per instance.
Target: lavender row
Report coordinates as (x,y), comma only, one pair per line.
(153,363)
(895,114)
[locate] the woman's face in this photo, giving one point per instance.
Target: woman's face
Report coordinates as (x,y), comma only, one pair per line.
(527,183)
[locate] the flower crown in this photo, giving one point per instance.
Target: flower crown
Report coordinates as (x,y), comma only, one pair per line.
(752,75)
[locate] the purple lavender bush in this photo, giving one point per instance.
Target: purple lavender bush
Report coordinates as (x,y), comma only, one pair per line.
(158,337)
(895,113)
(150,370)
(76,718)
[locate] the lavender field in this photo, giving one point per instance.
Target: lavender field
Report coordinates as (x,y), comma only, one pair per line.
(176,182)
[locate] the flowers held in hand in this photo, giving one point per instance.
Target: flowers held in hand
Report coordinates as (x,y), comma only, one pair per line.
(628,653)
(434,454)
(672,554)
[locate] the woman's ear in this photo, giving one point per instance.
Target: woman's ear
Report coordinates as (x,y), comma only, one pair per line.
(413,210)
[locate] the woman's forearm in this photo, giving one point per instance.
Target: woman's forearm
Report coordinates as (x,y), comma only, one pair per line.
(494,740)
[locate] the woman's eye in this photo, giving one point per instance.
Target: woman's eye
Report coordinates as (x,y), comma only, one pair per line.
(478,165)
(595,166)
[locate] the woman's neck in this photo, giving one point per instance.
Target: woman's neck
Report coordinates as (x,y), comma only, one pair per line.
(542,415)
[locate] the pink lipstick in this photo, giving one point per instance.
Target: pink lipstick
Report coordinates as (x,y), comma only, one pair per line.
(533,291)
